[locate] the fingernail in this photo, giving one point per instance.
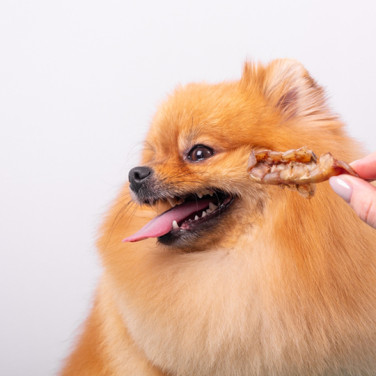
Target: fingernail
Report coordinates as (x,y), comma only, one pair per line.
(341,187)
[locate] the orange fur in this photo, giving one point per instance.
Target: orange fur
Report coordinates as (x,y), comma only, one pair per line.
(283,286)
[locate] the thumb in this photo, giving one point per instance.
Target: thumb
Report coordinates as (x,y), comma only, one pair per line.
(359,194)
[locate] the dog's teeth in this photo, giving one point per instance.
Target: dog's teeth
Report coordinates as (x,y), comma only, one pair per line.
(203,214)
(196,217)
(171,201)
(212,206)
(175,225)
(208,211)
(205,192)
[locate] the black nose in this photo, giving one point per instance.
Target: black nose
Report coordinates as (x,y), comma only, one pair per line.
(137,177)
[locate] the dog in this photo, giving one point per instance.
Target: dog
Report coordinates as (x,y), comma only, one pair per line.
(220,275)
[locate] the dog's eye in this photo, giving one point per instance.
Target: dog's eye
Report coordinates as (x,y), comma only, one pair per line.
(199,152)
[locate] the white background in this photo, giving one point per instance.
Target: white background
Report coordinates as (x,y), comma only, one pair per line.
(79,82)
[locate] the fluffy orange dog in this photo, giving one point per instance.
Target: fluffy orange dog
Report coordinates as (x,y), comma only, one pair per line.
(238,278)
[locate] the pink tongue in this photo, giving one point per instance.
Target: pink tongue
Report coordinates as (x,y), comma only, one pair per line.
(162,224)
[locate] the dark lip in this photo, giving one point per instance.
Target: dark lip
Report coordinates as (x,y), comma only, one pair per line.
(189,231)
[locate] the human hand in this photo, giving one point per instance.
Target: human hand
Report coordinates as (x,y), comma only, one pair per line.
(360,194)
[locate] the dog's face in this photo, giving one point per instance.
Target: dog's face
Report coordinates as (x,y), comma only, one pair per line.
(194,167)
(194,162)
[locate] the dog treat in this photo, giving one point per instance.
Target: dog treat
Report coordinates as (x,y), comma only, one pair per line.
(298,169)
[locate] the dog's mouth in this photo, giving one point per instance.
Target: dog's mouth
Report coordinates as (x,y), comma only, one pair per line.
(189,217)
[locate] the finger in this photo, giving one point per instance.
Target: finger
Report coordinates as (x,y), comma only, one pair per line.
(359,194)
(366,167)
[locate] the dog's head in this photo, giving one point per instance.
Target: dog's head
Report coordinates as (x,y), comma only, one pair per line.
(195,157)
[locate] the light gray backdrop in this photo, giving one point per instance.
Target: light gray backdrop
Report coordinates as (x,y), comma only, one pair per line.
(79,82)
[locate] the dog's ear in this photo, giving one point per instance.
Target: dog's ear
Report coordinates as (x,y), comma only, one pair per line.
(287,86)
